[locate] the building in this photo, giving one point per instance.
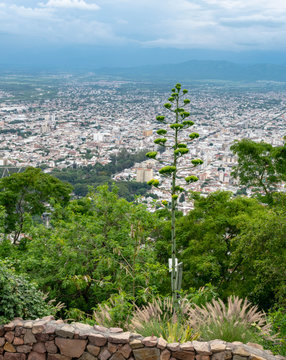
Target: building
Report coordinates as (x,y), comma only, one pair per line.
(144,175)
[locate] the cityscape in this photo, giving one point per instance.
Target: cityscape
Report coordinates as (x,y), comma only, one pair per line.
(80,122)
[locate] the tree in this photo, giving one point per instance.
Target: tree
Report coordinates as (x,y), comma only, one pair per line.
(260,166)
(98,246)
(177,125)
(29,192)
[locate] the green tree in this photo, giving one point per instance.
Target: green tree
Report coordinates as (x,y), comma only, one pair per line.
(177,124)
(260,166)
(98,246)
(29,192)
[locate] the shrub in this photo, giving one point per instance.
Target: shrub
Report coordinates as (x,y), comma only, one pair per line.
(19,297)
(238,321)
(159,318)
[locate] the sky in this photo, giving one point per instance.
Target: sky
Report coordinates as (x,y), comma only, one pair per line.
(136,32)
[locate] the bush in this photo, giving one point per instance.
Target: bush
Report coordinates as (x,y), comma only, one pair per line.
(19,297)
(159,318)
(238,321)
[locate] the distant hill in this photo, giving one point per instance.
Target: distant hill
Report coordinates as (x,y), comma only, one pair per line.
(203,70)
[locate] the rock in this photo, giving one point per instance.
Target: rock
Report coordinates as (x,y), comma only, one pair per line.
(2,331)
(104,354)
(48,318)
(161,343)
(39,347)
(14,356)
(100,328)
(165,355)
(66,331)
(58,357)
(147,354)
(97,339)
(240,351)
(173,346)
(254,345)
(117,356)
(18,341)
(184,355)
(50,329)
(9,336)
(28,324)
(217,347)
(42,337)
(93,350)
(256,357)
(71,347)
(150,341)
(51,347)
(38,328)
(9,327)
(125,351)
(224,355)
(112,347)
(36,356)
(187,346)
(87,356)
(202,357)
(2,341)
(24,349)
(115,330)
(136,344)
(238,357)
(122,338)
(29,338)
(202,347)
(9,347)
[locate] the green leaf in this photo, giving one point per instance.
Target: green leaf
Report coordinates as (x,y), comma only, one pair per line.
(194,135)
(181,151)
(152,154)
(168,106)
(185,91)
(160,118)
(197,162)
(188,123)
(176,126)
(191,179)
(181,145)
(166,170)
(179,188)
(160,141)
(171,99)
(187,101)
(161,132)
(175,196)
(153,182)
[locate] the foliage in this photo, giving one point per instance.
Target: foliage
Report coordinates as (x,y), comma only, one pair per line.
(236,321)
(260,166)
(19,297)
(200,296)
(177,124)
(160,318)
(29,192)
(98,246)
(226,239)
(115,311)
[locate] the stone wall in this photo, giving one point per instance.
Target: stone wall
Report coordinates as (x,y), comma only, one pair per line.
(49,339)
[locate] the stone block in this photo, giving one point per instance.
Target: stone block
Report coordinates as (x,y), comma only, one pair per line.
(87,356)
(173,346)
(136,344)
(9,347)
(125,350)
(117,356)
(42,337)
(18,331)
(58,357)
(184,355)
(10,326)
(29,337)
(71,347)
(51,347)
(2,341)
(9,336)
(36,356)
(150,341)
(238,357)
(161,343)
(18,341)
(147,354)
(202,347)
(2,331)
(14,356)
(223,355)
(115,330)
(112,347)
(217,347)
(67,331)
(187,346)
(202,357)
(165,355)
(93,350)
(97,339)
(240,351)
(104,354)
(39,347)
(122,338)
(24,349)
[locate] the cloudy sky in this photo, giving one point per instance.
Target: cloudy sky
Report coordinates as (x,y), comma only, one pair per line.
(180,26)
